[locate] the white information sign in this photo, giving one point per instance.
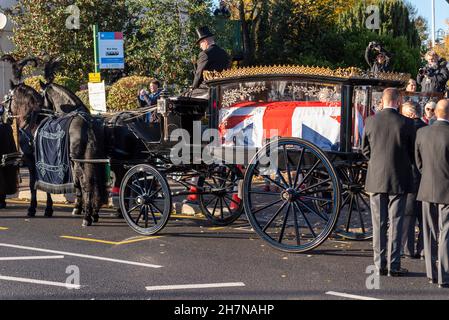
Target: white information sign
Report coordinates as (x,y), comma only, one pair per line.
(97,97)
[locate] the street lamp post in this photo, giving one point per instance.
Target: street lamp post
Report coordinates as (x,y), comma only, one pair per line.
(433,23)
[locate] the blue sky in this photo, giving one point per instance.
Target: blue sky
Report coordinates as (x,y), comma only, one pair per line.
(425,9)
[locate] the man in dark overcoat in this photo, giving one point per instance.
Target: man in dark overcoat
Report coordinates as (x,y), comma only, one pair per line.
(388,143)
(432,160)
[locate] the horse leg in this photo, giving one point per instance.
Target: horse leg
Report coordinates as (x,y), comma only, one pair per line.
(2,201)
(33,202)
(49,206)
(88,219)
(78,209)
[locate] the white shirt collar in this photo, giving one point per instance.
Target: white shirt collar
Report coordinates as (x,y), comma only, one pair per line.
(388,107)
(441,119)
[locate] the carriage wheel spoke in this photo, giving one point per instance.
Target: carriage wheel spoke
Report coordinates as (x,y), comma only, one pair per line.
(267,206)
(308,173)
(146,216)
(137,192)
(209,201)
(274,182)
(316,185)
(362,223)
(156,192)
(287,167)
(345,200)
(215,206)
(140,214)
(298,168)
(232,200)
(295,216)
(316,198)
(221,209)
(348,220)
(152,213)
(227,206)
(265,193)
(312,210)
(284,223)
(305,218)
(274,217)
(134,208)
(279,174)
(157,208)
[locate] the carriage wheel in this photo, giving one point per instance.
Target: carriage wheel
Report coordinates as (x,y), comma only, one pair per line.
(145,199)
(285,216)
(355,221)
(219,202)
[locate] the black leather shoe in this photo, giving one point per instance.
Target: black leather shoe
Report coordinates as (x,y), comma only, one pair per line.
(398,273)
(2,205)
(433,281)
(382,272)
(444,286)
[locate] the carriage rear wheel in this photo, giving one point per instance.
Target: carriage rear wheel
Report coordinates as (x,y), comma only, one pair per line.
(219,201)
(145,199)
(355,221)
(297,173)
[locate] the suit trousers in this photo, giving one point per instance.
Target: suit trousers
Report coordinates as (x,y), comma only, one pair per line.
(436,241)
(413,214)
(387,213)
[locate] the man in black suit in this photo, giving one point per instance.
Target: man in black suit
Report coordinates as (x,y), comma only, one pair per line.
(432,160)
(413,208)
(211,58)
(388,143)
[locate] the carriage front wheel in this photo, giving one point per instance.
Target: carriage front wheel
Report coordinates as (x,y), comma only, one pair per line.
(145,199)
(280,186)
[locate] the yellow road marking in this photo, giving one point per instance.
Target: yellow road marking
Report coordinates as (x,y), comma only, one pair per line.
(111,242)
(185,216)
(215,228)
(3,228)
(60,205)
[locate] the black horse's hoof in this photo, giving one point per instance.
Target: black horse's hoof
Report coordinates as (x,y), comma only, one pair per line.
(96,217)
(48,213)
(76,212)
(31,213)
(87,222)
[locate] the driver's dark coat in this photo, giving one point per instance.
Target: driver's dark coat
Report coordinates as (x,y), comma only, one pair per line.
(8,175)
(213,58)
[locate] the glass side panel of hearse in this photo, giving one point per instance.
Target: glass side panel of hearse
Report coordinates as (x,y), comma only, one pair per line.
(253,112)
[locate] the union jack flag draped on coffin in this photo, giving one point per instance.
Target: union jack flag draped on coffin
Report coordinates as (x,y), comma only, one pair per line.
(253,123)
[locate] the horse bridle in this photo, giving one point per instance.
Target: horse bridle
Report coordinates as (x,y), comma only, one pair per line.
(7,115)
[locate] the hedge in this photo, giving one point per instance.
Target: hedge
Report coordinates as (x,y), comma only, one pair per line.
(123,94)
(70,83)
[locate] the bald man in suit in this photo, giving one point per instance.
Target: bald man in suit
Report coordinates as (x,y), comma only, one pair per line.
(432,160)
(388,144)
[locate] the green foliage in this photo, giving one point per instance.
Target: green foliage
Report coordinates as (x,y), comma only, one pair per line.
(71,84)
(40,27)
(124,93)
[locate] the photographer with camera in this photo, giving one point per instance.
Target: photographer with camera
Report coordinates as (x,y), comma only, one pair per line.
(434,75)
(377,57)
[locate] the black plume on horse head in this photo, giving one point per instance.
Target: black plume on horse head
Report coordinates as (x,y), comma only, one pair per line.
(17,66)
(50,68)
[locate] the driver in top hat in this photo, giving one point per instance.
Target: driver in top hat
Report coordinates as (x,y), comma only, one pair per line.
(211,58)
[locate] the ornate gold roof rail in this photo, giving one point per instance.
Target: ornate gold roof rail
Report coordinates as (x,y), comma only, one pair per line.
(343,73)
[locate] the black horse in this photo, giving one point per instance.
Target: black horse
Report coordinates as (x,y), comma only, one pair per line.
(27,106)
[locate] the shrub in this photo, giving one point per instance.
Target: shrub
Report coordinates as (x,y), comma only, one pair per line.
(123,94)
(68,82)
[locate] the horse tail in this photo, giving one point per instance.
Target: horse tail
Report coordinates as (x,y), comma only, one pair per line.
(95,150)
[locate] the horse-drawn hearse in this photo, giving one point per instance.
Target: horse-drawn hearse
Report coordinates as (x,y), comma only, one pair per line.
(281,143)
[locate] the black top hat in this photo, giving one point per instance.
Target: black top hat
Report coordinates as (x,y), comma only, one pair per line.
(203,33)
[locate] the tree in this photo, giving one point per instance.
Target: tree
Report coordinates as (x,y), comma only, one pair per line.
(443,48)
(40,27)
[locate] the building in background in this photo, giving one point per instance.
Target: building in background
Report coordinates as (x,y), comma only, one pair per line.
(5,46)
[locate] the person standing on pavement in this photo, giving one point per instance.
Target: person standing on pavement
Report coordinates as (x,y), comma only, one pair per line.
(434,75)
(413,208)
(388,144)
(432,160)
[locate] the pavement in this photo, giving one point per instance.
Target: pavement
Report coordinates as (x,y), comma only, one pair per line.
(56,258)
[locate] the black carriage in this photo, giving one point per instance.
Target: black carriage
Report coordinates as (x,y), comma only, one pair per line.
(285,146)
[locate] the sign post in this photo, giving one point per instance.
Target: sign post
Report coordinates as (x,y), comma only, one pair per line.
(95,34)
